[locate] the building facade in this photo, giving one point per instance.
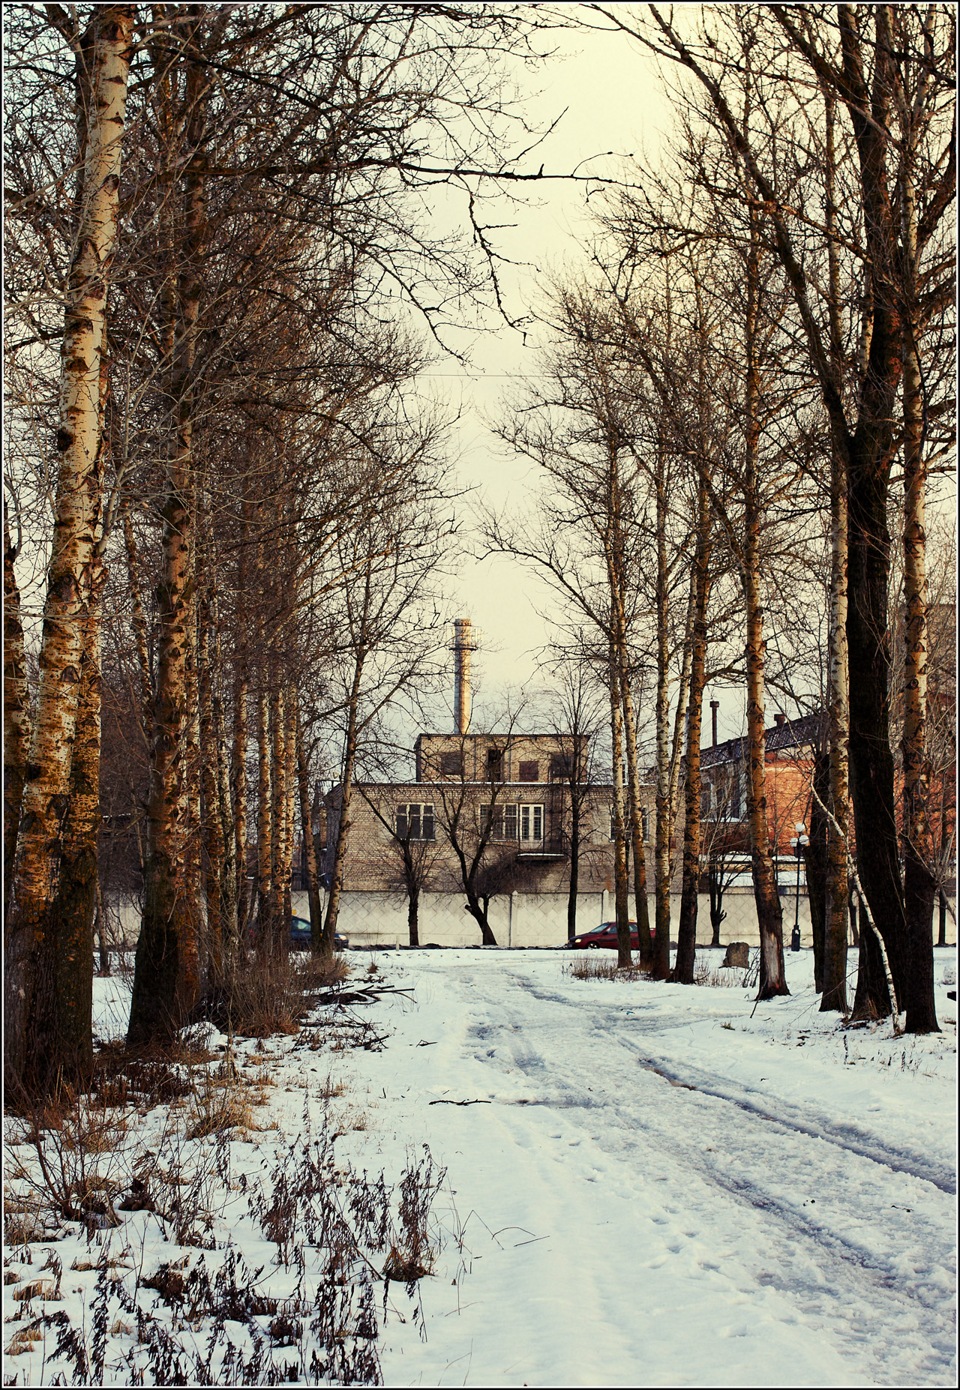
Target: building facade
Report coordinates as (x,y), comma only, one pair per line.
(520,803)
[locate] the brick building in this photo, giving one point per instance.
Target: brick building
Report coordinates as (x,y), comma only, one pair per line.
(790,751)
(509,797)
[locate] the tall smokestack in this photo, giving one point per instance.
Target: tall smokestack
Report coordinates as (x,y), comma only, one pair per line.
(714,706)
(463,645)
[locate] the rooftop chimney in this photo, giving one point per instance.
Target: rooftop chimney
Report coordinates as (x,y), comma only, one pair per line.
(779,720)
(714,706)
(463,645)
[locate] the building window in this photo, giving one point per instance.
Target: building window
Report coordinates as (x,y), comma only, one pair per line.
(725,788)
(494,764)
(561,767)
(451,764)
(529,771)
(628,825)
(531,824)
(415,821)
(519,822)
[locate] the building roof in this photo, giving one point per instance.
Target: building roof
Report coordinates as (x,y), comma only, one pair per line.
(512,736)
(805,732)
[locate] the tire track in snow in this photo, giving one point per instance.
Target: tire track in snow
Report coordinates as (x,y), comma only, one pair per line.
(851,1139)
(783,1114)
(826,1263)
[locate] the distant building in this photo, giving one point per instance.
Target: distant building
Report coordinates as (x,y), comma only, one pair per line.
(790,751)
(513,791)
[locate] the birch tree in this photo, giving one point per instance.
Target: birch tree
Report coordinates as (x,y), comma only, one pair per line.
(34,1004)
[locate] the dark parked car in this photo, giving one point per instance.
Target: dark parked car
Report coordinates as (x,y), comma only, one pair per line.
(300,936)
(604,935)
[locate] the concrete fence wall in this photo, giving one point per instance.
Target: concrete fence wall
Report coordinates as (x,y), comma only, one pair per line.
(528,919)
(517,919)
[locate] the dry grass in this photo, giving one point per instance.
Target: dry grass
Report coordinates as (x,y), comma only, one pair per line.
(598,967)
(45,1289)
(178,1167)
(319,972)
(23,1341)
(330,1088)
(271,995)
(221,1106)
(717,977)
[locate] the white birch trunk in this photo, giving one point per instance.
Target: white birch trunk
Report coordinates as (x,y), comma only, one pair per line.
(78,504)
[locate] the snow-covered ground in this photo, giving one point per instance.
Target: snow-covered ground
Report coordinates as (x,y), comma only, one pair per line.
(645,1184)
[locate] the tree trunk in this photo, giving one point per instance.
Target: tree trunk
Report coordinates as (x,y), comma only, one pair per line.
(16,714)
(138,619)
(830,961)
(573,888)
(919,880)
(871,761)
(292,701)
(479,909)
(834,966)
(635,808)
(346,787)
(79,485)
(689,893)
(619,656)
(279,853)
(772,980)
(167,980)
(413,915)
(664,825)
(871,449)
(815,862)
(238,802)
(165,990)
(620,885)
(266,793)
(62,1035)
(310,864)
(211,812)
(103,932)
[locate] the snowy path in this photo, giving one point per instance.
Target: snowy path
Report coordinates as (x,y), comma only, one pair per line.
(647,1195)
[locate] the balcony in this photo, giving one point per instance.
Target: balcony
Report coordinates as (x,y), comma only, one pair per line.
(541,851)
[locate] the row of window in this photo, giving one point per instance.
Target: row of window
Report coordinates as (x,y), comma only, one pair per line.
(721,797)
(514,821)
(528,769)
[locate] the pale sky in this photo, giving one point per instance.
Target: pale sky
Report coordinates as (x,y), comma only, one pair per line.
(614,102)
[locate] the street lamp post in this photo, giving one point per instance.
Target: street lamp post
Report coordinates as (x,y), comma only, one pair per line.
(798,845)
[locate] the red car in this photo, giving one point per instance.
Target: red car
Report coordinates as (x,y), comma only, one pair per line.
(604,935)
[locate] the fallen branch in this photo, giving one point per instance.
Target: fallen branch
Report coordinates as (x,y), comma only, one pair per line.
(365,995)
(459,1102)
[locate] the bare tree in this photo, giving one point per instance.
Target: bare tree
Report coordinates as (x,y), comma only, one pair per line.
(865,67)
(412,831)
(480,825)
(390,621)
(574,720)
(589,543)
(49,1033)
